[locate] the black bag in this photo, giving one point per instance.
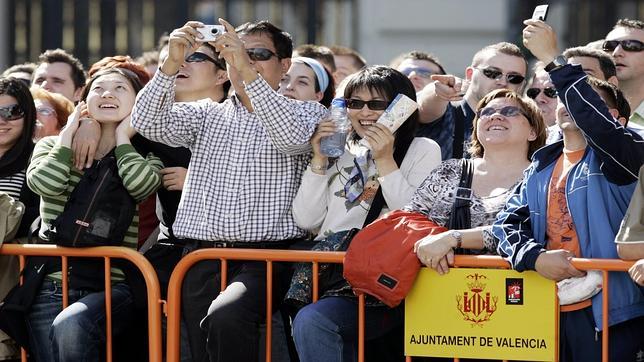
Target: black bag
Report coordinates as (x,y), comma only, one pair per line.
(99,210)
(17,304)
(330,275)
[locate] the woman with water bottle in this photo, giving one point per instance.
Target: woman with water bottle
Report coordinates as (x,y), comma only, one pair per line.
(338,188)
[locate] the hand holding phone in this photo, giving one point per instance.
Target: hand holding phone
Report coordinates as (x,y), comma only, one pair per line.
(540,12)
(210,32)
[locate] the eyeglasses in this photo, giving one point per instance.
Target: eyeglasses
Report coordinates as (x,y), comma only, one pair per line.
(199,57)
(420,71)
(373,105)
(260,54)
(497,74)
(45,111)
(507,111)
(12,112)
(629,45)
(550,92)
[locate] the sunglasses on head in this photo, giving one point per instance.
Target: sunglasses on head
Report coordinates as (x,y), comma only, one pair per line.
(420,71)
(507,111)
(45,111)
(198,57)
(497,74)
(550,92)
(373,105)
(260,54)
(629,45)
(12,112)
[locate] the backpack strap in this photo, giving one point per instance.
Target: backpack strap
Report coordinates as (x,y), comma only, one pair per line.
(376,207)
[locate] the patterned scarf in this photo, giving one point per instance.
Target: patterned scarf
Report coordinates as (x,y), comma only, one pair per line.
(359,175)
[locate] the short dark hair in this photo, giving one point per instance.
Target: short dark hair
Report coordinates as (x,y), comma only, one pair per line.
(61,56)
(420,55)
(388,82)
(612,96)
(281,40)
(17,157)
(530,110)
(20,68)
(358,61)
(503,48)
(320,53)
(606,62)
(630,23)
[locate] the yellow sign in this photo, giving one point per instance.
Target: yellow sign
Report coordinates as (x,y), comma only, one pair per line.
(481,313)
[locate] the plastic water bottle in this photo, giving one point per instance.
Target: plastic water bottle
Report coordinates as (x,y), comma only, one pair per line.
(333,146)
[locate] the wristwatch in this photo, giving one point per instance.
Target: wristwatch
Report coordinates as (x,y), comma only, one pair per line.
(459,238)
(557,63)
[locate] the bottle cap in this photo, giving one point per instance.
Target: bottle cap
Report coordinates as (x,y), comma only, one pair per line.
(339,102)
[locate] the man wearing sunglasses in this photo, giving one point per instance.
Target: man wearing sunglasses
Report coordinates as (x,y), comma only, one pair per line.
(626,44)
(573,198)
(418,67)
(248,156)
(449,121)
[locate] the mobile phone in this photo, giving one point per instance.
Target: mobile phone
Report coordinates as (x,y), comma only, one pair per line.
(210,32)
(540,12)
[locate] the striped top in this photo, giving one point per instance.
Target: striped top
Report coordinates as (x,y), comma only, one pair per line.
(52,176)
(12,184)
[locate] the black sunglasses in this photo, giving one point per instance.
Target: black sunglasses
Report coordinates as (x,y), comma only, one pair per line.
(507,111)
(260,54)
(373,105)
(630,45)
(198,57)
(12,112)
(550,92)
(497,74)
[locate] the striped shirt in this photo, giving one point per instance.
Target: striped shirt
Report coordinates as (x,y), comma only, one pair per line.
(12,184)
(52,176)
(245,167)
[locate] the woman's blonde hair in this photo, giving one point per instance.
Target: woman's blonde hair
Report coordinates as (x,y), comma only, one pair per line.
(529,109)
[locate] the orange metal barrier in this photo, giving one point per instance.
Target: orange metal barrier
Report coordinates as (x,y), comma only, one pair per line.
(269,256)
(105,252)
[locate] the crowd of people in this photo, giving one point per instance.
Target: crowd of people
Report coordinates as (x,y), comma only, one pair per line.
(218,144)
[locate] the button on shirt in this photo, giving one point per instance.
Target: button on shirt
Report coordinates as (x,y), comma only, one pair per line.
(245,167)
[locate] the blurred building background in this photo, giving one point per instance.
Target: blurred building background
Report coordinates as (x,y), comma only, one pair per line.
(380,29)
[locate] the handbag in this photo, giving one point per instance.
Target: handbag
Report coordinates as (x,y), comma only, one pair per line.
(632,227)
(16,306)
(330,275)
(380,260)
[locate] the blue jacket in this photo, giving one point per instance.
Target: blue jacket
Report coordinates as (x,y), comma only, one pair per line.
(598,191)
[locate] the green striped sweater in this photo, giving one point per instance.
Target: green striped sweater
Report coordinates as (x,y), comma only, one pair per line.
(52,176)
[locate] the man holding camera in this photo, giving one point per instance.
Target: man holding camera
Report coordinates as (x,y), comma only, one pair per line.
(248,155)
(571,203)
